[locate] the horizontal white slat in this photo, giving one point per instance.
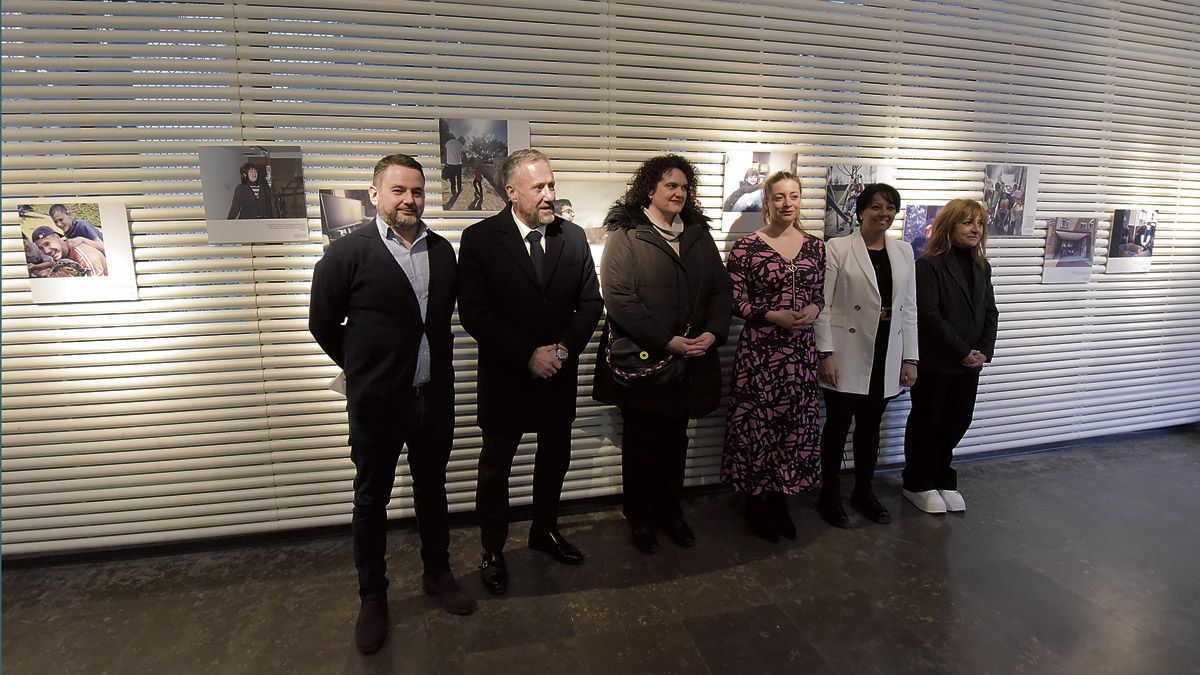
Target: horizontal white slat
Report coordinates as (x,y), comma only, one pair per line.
(201,409)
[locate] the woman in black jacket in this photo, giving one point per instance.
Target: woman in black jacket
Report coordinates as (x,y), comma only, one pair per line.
(252,198)
(665,289)
(956,326)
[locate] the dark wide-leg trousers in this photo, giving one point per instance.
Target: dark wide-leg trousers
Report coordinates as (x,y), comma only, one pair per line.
(653,457)
(495,465)
(942,408)
(378,432)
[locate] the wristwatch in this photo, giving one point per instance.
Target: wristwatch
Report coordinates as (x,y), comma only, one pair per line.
(821,356)
(911,362)
(561,352)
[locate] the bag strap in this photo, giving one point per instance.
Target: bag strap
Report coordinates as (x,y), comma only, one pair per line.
(640,374)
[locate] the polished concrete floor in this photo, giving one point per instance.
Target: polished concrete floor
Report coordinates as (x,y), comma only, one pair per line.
(1083,559)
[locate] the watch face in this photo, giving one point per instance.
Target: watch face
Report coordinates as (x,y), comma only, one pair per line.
(562,354)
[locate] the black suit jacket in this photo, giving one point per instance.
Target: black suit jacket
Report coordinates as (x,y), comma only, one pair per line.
(509,315)
(359,282)
(951,319)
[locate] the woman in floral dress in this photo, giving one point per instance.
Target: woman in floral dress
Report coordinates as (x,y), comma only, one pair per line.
(772,435)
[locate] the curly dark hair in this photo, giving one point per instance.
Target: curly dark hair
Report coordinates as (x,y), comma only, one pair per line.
(259,171)
(646,178)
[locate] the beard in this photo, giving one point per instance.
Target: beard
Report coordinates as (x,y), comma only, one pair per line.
(534,217)
(400,221)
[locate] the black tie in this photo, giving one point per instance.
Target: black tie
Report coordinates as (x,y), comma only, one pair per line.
(536,254)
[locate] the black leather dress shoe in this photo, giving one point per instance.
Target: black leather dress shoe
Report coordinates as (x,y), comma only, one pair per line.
(868,504)
(679,532)
(831,511)
(552,542)
(371,628)
(644,539)
(493,572)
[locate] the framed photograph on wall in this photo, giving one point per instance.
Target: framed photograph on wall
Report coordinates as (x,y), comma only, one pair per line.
(746,172)
(1070,245)
(586,203)
(253,194)
(472,151)
(344,210)
(1131,241)
(77,251)
(918,219)
(843,184)
(1010,197)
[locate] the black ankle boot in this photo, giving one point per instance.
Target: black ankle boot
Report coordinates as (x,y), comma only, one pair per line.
(780,519)
(758,520)
(829,506)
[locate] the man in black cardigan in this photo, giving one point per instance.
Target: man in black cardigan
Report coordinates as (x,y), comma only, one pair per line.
(382,298)
(531,299)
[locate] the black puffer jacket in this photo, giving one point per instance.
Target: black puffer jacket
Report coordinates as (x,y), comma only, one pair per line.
(651,295)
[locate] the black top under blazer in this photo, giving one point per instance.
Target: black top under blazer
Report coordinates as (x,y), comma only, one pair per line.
(502,306)
(359,281)
(951,320)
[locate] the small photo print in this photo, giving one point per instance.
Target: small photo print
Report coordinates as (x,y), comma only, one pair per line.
(472,152)
(77,251)
(918,219)
(1131,242)
(586,203)
(746,172)
(843,184)
(63,240)
(1010,196)
(253,194)
(344,211)
(1070,241)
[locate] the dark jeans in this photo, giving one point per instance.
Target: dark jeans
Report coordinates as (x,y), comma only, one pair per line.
(653,457)
(495,465)
(866,411)
(942,407)
(454,175)
(378,431)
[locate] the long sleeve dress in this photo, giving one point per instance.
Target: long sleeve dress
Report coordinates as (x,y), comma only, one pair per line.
(772,434)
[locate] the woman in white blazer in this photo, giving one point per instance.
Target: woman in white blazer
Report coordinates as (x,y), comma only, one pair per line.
(866,346)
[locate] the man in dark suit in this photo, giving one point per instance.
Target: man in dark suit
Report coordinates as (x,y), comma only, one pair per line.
(531,300)
(382,298)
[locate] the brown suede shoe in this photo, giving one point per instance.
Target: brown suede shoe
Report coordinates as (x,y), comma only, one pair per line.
(449,594)
(371,629)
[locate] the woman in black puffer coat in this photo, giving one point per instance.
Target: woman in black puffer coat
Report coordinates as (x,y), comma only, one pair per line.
(666,289)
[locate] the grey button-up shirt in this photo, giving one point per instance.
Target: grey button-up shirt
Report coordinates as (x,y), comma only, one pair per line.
(415,263)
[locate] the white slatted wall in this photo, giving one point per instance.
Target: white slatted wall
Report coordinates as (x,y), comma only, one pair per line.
(200,410)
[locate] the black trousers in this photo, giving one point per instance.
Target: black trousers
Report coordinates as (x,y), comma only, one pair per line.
(378,431)
(942,407)
(867,412)
(495,465)
(653,457)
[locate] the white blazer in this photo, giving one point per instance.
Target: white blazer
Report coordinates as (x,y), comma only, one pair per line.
(848,324)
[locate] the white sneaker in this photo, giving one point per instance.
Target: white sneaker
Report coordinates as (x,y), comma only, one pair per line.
(928,501)
(953,500)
